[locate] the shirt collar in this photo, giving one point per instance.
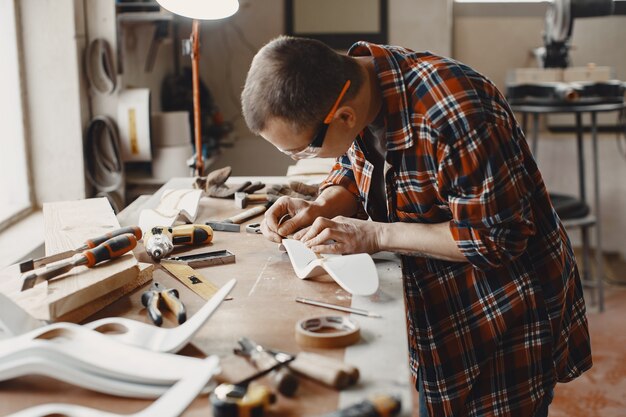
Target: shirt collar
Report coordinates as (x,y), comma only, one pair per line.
(389,73)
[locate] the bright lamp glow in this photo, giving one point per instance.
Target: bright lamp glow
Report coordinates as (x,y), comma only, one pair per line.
(201,9)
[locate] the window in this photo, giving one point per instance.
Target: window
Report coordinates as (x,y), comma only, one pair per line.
(14,187)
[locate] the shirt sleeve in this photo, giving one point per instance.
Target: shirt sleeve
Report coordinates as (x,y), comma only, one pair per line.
(342,175)
(489,191)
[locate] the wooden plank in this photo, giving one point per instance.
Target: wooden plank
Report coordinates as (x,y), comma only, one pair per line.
(67,225)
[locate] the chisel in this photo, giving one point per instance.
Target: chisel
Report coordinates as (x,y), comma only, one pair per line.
(109,249)
(31,264)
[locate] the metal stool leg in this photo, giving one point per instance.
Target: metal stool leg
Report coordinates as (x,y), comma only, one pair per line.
(599,275)
(533,146)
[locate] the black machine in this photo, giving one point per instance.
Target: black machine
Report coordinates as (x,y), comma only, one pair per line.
(560,23)
(555,54)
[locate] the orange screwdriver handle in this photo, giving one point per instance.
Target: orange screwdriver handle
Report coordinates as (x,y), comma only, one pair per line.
(134,230)
(112,248)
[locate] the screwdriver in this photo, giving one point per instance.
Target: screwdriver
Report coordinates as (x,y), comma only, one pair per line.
(31,264)
(243,399)
(109,249)
(160,240)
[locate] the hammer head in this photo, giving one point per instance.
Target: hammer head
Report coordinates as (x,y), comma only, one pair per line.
(241,199)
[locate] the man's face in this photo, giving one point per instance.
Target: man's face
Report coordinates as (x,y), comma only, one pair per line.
(337,139)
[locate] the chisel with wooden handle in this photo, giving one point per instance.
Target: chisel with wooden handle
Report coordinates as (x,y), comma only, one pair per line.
(111,248)
(31,264)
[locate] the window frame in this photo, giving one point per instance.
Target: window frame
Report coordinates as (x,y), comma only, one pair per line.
(21,214)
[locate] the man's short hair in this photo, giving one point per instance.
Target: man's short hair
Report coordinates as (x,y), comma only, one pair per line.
(297,80)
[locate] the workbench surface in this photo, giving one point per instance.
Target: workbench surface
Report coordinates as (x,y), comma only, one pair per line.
(262,308)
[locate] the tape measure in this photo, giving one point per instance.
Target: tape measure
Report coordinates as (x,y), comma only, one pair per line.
(314,332)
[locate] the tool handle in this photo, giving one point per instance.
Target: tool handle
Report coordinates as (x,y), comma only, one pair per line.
(334,377)
(352,371)
(173,303)
(133,230)
(111,248)
(248,214)
(259,198)
(283,380)
(192,234)
(381,405)
(150,300)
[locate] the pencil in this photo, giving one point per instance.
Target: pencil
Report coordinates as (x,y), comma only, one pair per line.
(336,307)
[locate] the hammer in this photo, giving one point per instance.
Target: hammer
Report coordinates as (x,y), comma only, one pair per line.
(242,199)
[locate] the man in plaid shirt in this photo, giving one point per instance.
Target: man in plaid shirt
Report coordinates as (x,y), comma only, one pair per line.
(430,151)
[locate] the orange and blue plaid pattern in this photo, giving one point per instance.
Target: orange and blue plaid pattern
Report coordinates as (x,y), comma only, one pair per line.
(493,334)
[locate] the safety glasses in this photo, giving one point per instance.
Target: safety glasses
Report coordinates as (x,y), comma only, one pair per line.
(314,148)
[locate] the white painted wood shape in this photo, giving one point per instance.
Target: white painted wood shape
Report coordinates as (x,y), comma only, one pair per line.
(171,404)
(15,321)
(60,371)
(354,273)
(159,339)
(174,204)
(89,351)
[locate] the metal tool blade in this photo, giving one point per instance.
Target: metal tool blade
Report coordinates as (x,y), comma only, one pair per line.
(34,277)
(31,264)
(224,226)
(219,257)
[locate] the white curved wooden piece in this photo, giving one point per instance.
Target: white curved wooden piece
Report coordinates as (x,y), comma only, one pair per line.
(354,273)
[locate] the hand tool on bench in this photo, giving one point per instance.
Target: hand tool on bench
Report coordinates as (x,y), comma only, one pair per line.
(232,224)
(198,260)
(109,249)
(381,405)
(214,184)
(243,399)
(158,295)
(254,228)
(160,240)
(323,369)
(336,307)
(283,380)
(242,199)
(31,264)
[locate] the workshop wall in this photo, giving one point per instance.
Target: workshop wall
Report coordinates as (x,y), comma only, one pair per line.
(493,39)
(56,107)
(229,45)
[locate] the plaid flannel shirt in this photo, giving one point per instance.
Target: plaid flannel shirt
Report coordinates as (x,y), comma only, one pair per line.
(493,334)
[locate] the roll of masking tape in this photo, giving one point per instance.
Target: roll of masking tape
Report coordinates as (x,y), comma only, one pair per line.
(327,332)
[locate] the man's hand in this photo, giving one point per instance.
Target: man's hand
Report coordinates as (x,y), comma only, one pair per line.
(342,235)
(302,214)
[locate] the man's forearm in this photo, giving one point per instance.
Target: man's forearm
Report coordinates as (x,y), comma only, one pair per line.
(337,201)
(420,239)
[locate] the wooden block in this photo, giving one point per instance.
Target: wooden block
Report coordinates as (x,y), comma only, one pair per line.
(535,75)
(590,73)
(67,225)
(78,315)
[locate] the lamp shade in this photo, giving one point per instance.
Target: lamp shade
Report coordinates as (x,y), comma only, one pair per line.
(201,9)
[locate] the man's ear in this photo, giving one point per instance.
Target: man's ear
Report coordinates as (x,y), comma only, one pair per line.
(347,115)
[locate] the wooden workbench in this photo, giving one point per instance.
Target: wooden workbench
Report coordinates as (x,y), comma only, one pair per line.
(263,308)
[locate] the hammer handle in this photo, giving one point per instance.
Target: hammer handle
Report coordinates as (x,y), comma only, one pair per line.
(282,379)
(331,376)
(248,214)
(257,197)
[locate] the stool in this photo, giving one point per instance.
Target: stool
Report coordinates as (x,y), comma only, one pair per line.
(574,212)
